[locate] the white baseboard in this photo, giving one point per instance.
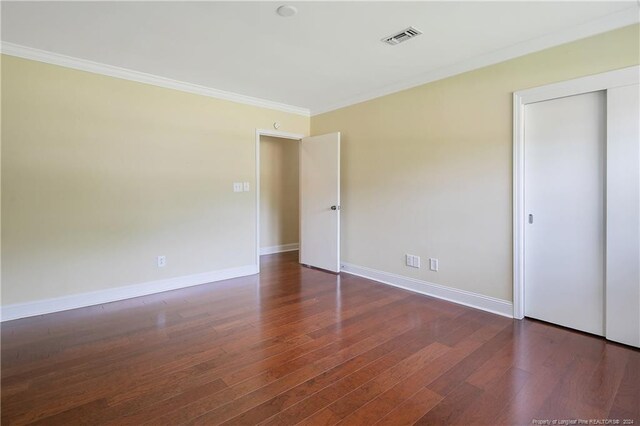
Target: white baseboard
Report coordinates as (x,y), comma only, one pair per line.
(462,297)
(278,249)
(39,307)
(29,309)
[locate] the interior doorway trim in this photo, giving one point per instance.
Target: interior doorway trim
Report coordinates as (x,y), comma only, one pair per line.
(592,83)
(275,134)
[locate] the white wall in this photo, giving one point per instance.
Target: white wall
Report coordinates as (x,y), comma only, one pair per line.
(101,175)
(428,171)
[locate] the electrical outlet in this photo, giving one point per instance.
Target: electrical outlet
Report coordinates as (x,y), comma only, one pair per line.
(412,260)
(433,264)
(237,186)
(162,261)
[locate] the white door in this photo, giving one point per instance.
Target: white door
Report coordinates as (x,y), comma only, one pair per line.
(564,176)
(320,201)
(623,215)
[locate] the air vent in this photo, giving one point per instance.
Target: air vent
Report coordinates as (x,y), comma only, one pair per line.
(403,35)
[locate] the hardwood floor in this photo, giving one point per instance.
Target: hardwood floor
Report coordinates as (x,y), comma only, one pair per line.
(297,345)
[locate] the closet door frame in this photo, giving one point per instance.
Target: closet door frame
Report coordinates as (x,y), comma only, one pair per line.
(604,81)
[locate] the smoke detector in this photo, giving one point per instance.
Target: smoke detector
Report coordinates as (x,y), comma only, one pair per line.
(402,36)
(286,11)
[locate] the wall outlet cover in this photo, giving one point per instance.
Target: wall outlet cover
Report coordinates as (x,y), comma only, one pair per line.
(433,264)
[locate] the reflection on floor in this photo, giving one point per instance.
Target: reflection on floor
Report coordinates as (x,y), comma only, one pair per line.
(300,345)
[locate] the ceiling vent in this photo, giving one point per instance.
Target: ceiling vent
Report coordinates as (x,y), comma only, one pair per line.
(403,35)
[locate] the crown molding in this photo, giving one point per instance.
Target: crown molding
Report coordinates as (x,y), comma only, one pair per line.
(606,23)
(25,52)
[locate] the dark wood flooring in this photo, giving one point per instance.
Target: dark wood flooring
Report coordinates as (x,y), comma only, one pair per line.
(301,346)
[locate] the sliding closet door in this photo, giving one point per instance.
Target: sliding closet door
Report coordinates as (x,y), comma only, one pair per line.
(623,215)
(564,239)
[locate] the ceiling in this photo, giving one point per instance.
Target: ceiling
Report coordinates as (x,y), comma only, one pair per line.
(328,55)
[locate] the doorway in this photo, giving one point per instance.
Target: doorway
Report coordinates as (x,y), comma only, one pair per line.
(279,195)
(315,221)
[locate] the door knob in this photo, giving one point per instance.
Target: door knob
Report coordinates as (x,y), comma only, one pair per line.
(335,207)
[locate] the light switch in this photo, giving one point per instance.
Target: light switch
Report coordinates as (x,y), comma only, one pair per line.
(246,186)
(412,260)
